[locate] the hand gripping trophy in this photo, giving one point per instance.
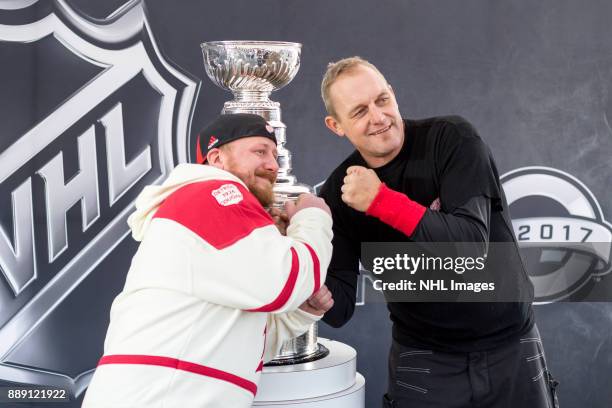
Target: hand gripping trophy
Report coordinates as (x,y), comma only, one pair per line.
(252,70)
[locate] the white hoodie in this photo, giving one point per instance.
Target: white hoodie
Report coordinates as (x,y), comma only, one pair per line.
(211,294)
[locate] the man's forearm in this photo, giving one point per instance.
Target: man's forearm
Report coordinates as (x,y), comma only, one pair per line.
(468,223)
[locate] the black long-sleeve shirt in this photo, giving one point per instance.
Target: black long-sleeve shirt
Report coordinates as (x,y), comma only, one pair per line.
(442,158)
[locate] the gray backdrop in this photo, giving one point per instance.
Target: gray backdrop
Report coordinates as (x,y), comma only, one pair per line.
(533,77)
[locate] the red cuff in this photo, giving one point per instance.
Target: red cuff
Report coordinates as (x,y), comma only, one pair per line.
(396,209)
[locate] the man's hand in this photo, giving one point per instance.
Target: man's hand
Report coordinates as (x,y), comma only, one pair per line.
(281,220)
(319,303)
(305,201)
(360,187)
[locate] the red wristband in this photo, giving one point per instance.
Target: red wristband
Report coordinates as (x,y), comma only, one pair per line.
(396,209)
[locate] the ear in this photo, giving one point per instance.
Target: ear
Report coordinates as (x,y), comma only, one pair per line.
(333,125)
(214,158)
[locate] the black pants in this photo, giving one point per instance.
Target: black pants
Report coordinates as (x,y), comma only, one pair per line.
(511,376)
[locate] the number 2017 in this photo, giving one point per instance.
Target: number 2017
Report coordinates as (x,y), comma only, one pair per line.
(546,232)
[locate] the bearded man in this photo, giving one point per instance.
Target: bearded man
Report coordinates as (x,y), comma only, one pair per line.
(214,288)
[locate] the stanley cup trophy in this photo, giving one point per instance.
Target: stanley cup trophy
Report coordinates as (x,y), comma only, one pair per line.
(251,70)
(305,374)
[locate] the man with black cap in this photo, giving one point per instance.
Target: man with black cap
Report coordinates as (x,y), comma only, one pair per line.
(214,288)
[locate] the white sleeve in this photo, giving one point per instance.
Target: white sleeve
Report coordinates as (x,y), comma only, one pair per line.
(256,268)
(269,272)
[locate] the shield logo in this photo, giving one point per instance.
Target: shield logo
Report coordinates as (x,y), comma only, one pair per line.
(565,241)
(90,113)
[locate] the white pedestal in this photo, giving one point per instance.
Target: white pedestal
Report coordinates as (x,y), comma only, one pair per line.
(329,382)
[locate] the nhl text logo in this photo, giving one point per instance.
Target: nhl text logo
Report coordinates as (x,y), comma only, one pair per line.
(564,238)
(92,112)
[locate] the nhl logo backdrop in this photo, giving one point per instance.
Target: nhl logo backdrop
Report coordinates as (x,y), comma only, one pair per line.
(90,113)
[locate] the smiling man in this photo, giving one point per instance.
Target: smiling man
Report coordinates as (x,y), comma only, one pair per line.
(429,180)
(214,288)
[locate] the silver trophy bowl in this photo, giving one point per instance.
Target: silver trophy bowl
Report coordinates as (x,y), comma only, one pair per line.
(254,67)
(252,70)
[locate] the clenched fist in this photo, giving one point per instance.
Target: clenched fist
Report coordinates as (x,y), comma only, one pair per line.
(360,187)
(319,303)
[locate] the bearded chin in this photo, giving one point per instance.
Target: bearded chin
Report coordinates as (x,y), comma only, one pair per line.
(265,195)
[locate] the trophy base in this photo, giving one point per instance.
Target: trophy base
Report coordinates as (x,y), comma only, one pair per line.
(321,352)
(330,382)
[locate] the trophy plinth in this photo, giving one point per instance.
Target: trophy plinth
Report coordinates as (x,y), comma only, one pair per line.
(252,70)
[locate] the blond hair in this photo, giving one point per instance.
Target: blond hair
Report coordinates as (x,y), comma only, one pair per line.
(334,70)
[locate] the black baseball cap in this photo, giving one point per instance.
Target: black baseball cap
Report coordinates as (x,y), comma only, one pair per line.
(229,127)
